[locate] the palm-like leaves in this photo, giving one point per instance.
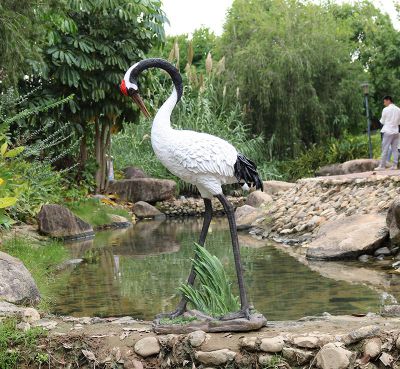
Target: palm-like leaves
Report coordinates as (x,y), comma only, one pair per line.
(214,295)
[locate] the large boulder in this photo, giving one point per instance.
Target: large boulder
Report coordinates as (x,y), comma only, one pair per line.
(144,210)
(59,222)
(258,198)
(16,283)
(393,222)
(349,237)
(133,172)
(273,187)
(246,215)
(143,189)
(348,167)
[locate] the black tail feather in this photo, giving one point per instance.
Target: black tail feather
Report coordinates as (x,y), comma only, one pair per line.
(246,170)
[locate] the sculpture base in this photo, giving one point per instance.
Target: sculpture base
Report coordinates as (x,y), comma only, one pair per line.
(208,324)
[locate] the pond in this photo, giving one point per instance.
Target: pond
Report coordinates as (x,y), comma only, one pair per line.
(136,272)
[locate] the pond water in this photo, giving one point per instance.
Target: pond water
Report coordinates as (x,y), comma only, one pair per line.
(136,272)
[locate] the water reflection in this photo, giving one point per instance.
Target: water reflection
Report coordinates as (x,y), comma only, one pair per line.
(136,272)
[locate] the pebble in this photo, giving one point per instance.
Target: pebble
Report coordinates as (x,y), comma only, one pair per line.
(373,347)
(197,338)
(306,341)
(30,315)
(249,343)
(398,342)
(217,357)
(272,344)
(333,356)
(147,346)
(298,356)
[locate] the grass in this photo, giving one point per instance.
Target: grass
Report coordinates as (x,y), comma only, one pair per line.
(19,348)
(94,212)
(40,260)
(178,320)
(214,295)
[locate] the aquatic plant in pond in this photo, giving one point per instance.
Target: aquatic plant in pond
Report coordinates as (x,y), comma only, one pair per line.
(214,294)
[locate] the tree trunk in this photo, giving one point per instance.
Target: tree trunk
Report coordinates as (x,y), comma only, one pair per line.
(102,145)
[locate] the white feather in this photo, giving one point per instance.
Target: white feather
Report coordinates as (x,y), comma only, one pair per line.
(201,159)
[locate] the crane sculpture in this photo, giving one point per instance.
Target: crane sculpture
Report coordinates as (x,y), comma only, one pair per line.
(206,161)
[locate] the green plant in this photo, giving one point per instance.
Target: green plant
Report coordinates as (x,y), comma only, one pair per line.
(179,320)
(95,212)
(275,362)
(214,295)
(40,260)
(18,347)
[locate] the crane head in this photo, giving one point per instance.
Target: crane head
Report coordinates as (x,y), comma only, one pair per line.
(131,89)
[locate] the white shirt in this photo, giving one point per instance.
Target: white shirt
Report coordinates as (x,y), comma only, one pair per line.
(390,119)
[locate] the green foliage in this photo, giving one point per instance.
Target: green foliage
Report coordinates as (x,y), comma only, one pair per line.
(41,260)
(334,151)
(182,320)
(214,295)
(21,35)
(19,348)
(292,62)
(94,212)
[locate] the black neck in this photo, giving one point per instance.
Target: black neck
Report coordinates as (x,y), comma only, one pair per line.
(162,64)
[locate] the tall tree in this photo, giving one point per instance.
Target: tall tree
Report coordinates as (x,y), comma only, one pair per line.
(21,35)
(292,64)
(90,46)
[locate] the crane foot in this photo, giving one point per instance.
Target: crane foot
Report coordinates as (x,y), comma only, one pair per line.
(172,315)
(242,313)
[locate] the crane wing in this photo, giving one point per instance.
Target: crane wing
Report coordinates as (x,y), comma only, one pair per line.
(201,153)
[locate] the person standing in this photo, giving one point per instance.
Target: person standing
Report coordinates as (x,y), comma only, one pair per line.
(391,121)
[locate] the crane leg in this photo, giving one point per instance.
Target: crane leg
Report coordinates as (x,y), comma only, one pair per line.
(181,308)
(244,305)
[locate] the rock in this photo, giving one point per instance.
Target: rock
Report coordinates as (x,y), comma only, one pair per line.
(258,198)
(306,341)
(119,221)
(217,357)
(386,359)
(361,334)
(133,172)
(383,251)
(197,338)
(333,356)
(23,326)
(393,222)
(398,343)
(352,166)
(246,215)
(30,315)
(348,238)
(329,170)
(297,356)
(272,344)
(16,283)
(249,343)
(59,222)
(136,364)
(390,310)
(143,189)
(364,258)
(273,187)
(68,263)
(373,347)
(147,346)
(46,324)
(7,309)
(359,165)
(144,210)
